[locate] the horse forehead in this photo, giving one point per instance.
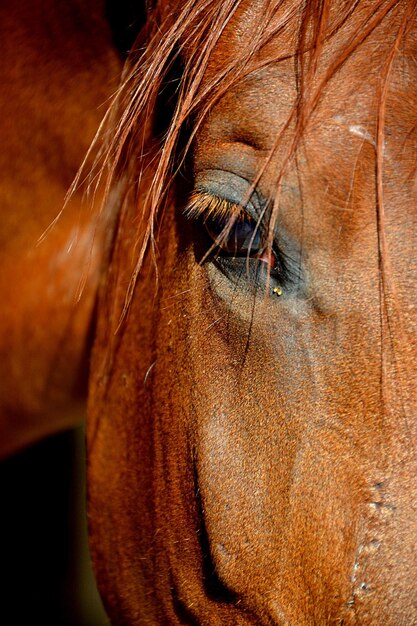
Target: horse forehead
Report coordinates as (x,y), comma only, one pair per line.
(268,83)
(343,129)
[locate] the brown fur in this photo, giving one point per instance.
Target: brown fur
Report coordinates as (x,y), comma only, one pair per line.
(58,68)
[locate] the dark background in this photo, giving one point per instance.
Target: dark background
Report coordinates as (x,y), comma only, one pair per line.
(46,574)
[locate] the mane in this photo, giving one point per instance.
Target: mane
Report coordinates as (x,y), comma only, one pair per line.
(170,60)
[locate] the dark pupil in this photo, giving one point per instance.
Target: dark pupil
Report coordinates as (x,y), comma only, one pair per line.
(236,238)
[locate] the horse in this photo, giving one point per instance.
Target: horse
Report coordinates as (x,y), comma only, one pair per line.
(58,69)
(250,426)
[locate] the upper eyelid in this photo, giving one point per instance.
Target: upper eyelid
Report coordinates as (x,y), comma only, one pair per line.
(252,206)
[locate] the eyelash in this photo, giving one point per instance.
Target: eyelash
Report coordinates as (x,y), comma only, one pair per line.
(205,205)
(232,229)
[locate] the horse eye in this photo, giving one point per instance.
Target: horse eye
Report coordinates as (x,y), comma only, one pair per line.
(238,237)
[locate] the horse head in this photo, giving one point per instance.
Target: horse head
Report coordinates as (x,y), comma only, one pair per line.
(251,431)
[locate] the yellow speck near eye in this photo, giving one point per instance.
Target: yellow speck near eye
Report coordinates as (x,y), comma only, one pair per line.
(277,291)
